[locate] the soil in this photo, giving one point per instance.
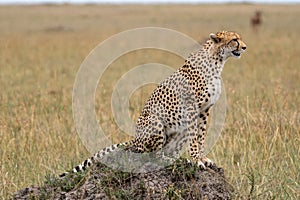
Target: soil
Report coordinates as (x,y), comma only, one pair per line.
(180,180)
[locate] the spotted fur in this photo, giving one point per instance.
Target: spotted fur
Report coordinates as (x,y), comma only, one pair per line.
(177,111)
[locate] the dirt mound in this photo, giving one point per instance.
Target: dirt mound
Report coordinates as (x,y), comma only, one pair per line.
(181,180)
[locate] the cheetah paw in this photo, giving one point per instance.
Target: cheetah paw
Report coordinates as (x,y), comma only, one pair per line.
(205,162)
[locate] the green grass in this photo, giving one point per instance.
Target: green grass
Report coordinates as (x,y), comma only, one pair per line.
(259,147)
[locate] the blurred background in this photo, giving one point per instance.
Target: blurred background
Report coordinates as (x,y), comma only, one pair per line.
(43,43)
(144,1)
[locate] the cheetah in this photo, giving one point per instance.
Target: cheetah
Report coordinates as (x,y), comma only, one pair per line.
(179,107)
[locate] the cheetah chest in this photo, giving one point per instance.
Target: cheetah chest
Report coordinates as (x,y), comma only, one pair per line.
(213,93)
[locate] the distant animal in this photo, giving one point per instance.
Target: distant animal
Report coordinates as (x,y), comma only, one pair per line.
(256,20)
(179,107)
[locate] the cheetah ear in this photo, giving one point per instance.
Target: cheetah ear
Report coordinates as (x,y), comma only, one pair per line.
(214,38)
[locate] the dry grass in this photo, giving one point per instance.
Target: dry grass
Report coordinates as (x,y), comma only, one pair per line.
(42,47)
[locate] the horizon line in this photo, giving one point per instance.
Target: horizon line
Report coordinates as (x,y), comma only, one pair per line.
(143,3)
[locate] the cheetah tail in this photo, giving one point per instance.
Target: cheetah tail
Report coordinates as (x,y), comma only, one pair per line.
(97,156)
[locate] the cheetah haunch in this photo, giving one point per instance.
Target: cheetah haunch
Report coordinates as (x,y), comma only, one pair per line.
(177,111)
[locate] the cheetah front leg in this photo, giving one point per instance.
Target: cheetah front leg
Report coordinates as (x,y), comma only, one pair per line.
(197,131)
(202,124)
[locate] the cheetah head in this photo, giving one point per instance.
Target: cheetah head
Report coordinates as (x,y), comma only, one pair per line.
(228,44)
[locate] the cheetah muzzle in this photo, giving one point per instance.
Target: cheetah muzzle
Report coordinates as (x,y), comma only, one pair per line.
(236,53)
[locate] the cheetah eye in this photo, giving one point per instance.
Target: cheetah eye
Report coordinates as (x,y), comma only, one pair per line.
(235,39)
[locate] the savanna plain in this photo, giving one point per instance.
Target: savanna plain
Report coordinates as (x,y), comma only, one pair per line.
(43,46)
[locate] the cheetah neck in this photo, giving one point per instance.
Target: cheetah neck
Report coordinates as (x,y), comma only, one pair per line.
(208,60)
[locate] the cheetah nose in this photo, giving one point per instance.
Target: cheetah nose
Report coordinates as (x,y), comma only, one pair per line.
(244,48)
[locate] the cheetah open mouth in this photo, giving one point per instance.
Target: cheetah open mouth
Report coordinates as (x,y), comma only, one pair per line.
(236,53)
